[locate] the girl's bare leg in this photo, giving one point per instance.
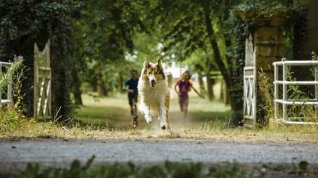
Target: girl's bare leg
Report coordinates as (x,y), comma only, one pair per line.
(180,104)
(185,111)
(185,108)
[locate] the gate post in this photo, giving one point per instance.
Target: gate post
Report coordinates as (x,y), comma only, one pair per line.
(264,46)
(249,83)
(42,83)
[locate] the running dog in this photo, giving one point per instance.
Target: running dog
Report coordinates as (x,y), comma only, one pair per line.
(154,90)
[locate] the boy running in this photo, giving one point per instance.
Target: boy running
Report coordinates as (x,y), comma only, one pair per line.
(131,86)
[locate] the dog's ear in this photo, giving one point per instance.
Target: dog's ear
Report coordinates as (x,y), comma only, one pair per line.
(146,63)
(160,63)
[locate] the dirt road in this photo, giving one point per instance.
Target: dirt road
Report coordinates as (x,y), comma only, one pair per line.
(15,154)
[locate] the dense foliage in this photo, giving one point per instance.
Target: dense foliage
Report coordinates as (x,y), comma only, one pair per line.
(24,23)
(96,43)
(103,37)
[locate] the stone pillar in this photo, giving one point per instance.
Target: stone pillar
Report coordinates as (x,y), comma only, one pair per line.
(269,43)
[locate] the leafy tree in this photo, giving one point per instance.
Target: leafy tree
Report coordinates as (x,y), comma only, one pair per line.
(104,37)
(25,22)
(201,62)
(313,14)
(201,25)
(209,26)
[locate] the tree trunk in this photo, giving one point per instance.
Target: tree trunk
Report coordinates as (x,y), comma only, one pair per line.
(312,43)
(101,87)
(222,93)
(120,82)
(201,84)
(61,77)
(76,88)
(235,105)
(93,84)
(210,86)
(306,32)
(227,100)
(216,51)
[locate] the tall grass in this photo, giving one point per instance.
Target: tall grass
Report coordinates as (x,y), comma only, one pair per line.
(266,93)
(9,115)
(6,77)
(12,121)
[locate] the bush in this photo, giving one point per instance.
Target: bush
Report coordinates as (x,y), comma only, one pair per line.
(9,115)
(8,120)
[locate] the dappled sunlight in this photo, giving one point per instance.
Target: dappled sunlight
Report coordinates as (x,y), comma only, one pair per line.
(72,91)
(113,100)
(111,122)
(113,113)
(109,117)
(102,120)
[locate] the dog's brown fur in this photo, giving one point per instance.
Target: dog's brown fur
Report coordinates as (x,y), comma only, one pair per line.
(154,90)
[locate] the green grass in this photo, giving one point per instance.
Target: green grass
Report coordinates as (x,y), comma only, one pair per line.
(109,118)
(103,116)
(114,112)
(206,120)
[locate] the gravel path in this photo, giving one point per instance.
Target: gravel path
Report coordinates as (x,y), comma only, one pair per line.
(15,154)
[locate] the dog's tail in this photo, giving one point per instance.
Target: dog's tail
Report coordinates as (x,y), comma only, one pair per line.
(170,79)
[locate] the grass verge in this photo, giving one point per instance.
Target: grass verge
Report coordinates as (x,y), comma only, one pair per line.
(102,120)
(169,169)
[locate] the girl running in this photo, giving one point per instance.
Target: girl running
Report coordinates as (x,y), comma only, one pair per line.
(182,87)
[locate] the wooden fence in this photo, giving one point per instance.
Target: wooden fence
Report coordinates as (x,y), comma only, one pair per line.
(42,83)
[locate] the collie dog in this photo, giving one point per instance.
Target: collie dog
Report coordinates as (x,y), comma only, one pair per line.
(154,90)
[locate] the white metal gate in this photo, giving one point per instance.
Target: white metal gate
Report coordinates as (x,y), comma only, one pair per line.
(282,100)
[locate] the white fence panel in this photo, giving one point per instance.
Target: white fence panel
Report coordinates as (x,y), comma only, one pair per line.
(281,99)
